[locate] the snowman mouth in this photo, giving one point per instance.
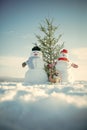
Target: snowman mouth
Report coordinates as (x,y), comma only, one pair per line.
(35,54)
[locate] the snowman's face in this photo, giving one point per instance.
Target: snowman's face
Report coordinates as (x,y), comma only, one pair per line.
(36,53)
(65,55)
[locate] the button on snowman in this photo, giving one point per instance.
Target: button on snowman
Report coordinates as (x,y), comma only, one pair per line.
(36,73)
(64,66)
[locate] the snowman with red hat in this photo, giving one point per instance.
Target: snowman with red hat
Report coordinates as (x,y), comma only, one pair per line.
(36,73)
(64,66)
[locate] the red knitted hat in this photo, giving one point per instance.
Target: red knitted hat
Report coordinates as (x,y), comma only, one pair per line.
(64,51)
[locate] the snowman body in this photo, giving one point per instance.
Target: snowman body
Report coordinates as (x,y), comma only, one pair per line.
(65,70)
(36,73)
(64,67)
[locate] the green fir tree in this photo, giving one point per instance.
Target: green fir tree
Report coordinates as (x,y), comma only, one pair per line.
(49,45)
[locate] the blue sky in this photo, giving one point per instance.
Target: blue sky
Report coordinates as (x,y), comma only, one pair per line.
(20,19)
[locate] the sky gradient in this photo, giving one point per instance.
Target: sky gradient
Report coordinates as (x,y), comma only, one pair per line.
(19,22)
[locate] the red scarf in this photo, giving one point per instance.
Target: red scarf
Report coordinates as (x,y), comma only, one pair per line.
(64,59)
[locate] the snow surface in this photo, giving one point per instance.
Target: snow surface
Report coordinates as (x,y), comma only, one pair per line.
(43,107)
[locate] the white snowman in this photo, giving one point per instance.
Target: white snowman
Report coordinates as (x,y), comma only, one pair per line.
(64,66)
(36,73)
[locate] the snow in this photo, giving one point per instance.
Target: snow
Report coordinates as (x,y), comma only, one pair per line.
(35,76)
(43,107)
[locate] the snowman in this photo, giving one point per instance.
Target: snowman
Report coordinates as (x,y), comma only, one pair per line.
(36,73)
(64,66)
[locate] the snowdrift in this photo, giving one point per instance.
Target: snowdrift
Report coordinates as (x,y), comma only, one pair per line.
(43,107)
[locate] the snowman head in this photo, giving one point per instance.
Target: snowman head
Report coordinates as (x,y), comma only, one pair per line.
(64,53)
(36,52)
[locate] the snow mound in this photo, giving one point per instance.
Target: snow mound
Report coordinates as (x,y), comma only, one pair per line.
(43,107)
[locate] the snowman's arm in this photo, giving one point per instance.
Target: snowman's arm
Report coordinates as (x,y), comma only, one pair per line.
(74,65)
(23,64)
